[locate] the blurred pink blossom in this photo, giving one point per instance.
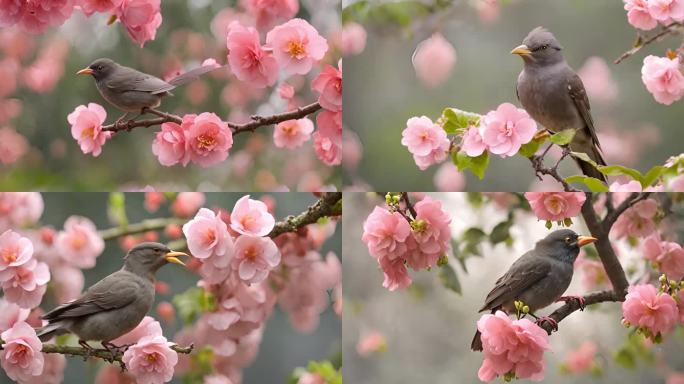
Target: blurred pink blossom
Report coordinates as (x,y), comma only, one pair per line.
(67,282)
(268,12)
(91,6)
(86,128)
(9,69)
(141,18)
(668,256)
(292,133)
(20,356)
(153,200)
(79,243)
(13,146)
(666,10)
(637,221)
(296,46)
(19,209)
(598,81)
(352,149)
(676,184)
(35,16)
(593,273)
(53,370)
(328,137)
(251,217)
(147,327)
(647,308)
(449,179)
(489,10)
(581,359)
(433,60)
(11,314)
(311,378)
(353,39)
(663,77)
(370,342)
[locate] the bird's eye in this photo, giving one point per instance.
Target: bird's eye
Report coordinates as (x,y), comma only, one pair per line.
(545,46)
(99,68)
(568,239)
(157,250)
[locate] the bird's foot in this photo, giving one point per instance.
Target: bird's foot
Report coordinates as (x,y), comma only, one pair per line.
(113,350)
(546,319)
(579,299)
(87,347)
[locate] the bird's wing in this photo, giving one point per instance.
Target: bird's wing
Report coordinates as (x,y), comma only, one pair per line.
(579,97)
(128,79)
(112,292)
(519,277)
(192,74)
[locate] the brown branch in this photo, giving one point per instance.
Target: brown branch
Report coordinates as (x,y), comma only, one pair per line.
(131,124)
(540,169)
(666,30)
(572,306)
(611,217)
(329,204)
(259,121)
(143,226)
(409,206)
(100,353)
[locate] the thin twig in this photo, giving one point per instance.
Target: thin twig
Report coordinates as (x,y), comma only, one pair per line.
(258,121)
(329,204)
(541,169)
(143,226)
(409,206)
(634,198)
(670,28)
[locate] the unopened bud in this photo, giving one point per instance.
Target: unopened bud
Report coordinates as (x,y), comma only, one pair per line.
(662,279)
(443,260)
(525,309)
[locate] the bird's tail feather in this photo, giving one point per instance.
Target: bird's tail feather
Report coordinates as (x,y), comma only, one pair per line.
(192,75)
(51,330)
(476,344)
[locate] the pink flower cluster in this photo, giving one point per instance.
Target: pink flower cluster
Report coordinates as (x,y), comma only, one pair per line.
(19,209)
(637,221)
(203,139)
(23,279)
(646,14)
(395,243)
(328,138)
(646,308)
(86,128)
(581,359)
(426,140)
(268,12)
(35,16)
(667,256)
(141,18)
(78,243)
(555,206)
(511,346)
(13,146)
(663,77)
(501,132)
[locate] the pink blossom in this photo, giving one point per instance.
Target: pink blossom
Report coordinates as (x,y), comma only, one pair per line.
(20,356)
(506,129)
(555,206)
(91,6)
(473,144)
(371,342)
(385,233)
(67,283)
(646,308)
(79,243)
(329,85)
(247,59)
(9,70)
(240,307)
(43,74)
(449,179)
(676,184)
(187,203)
(208,139)
(141,19)
(665,10)
(11,314)
(209,241)
(675,378)
(25,285)
(638,14)
(15,250)
(216,379)
(151,360)
(668,256)
(292,133)
(255,257)
(153,200)
(430,232)
(636,221)
(488,10)
(268,12)
(251,217)
(631,186)
(86,128)
(433,60)
(581,359)
(663,78)
(426,140)
(18,209)
(286,91)
(111,374)
(593,274)
(352,149)
(311,378)
(13,146)
(169,144)
(296,46)
(328,137)
(598,81)
(511,346)
(53,370)
(396,274)
(35,16)
(147,327)
(353,39)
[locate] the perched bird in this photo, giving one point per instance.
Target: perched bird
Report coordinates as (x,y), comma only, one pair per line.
(553,94)
(538,278)
(131,90)
(114,305)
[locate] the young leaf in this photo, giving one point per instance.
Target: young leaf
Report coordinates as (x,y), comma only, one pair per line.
(619,170)
(477,165)
(449,278)
(651,176)
(530,149)
(594,184)
(501,232)
(456,119)
(563,137)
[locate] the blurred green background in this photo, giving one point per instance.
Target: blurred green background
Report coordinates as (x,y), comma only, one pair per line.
(271,364)
(381,90)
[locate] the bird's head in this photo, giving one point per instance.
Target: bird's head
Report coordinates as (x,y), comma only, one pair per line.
(99,68)
(147,258)
(563,244)
(540,48)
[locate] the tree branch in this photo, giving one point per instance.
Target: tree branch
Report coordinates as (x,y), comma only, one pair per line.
(409,206)
(541,169)
(329,204)
(100,353)
(666,30)
(143,226)
(611,217)
(571,306)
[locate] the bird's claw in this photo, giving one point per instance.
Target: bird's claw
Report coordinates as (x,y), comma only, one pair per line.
(554,324)
(579,299)
(87,347)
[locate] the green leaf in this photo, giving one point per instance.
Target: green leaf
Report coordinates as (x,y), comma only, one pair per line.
(501,232)
(625,358)
(456,119)
(619,170)
(193,303)
(652,175)
(477,165)
(117,209)
(583,156)
(594,184)
(448,277)
(563,137)
(530,149)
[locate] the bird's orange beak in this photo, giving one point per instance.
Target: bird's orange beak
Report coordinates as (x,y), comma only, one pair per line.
(584,240)
(521,50)
(172,257)
(85,71)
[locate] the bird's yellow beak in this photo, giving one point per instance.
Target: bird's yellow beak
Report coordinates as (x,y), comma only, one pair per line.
(521,50)
(85,71)
(172,257)
(584,240)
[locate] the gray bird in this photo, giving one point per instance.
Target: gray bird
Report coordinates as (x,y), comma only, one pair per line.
(114,305)
(131,90)
(538,278)
(553,94)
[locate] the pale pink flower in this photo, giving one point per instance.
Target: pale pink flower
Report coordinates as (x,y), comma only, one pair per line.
(396,274)
(665,10)
(169,144)
(240,307)
(638,14)
(676,184)
(675,378)
(186,204)
(593,273)
(53,370)
(329,85)
(636,221)
(86,128)
(647,308)
(153,201)
(67,282)
(15,250)
(353,39)
(91,6)
(663,78)
(247,59)
(328,137)
(254,258)
(286,91)
(216,379)
(147,327)
(555,206)
(20,356)
(111,374)
(631,186)
(668,256)
(13,146)
(208,139)
(385,233)
(352,149)
(11,314)
(472,143)
(251,217)
(581,359)
(433,60)
(370,342)
(292,133)
(296,46)
(43,74)
(35,16)
(268,12)
(25,285)
(506,129)
(449,179)
(151,360)
(430,232)
(141,18)
(79,243)
(488,10)
(19,209)
(598,81)
(426,140)
(209,241)
(511,346)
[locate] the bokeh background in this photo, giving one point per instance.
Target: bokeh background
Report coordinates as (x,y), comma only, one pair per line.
(272,365)
(428,328)
(191,31)
(382,90)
